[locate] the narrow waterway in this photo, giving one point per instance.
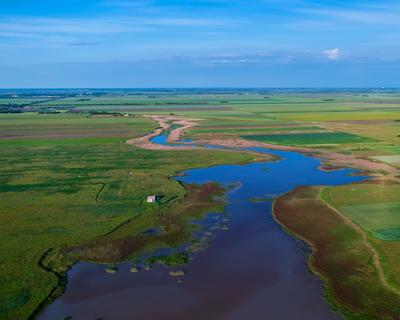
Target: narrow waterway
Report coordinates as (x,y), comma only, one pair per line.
(250,269)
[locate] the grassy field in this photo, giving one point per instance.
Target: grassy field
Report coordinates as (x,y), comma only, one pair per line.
(299,139)
(63,192)
(67,125)
(376,208)
(68,179)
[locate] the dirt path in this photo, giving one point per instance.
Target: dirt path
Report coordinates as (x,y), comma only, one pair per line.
(375,254)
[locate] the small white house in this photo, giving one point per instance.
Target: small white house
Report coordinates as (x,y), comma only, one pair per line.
(151,199)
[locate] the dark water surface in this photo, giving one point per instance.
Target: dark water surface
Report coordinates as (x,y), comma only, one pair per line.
(251,268)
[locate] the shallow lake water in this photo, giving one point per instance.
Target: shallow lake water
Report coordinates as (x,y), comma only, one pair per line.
(251,269)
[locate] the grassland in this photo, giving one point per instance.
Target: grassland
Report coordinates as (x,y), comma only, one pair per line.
(59,193)
(68,182)
(375,207)
(299,139)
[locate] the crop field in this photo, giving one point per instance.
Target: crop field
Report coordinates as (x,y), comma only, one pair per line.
(70,183)
(251,129)
(308,138)
(64,125)
(376,208)
(375,217)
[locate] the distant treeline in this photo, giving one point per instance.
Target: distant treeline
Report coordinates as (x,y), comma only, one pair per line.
(11,109)
(108,113)
(23,109)
(111,103)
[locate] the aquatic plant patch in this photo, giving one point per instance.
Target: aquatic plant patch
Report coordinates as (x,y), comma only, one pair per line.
(174,259)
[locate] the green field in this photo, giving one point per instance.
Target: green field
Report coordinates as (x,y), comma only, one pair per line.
(375,207)
(57,193)
(375,216)
(308,138)
(240,130)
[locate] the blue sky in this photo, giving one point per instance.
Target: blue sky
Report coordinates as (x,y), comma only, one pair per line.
(199,43)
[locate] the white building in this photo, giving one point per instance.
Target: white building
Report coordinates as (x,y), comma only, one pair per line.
(151,199)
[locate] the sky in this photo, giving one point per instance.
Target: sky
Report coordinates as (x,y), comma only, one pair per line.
(199,43)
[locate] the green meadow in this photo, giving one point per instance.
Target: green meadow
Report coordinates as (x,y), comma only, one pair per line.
(375,207)
(308,138)
(63,192)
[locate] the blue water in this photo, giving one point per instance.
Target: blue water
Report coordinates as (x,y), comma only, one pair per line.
(259,179)
(247,266)
(160,139)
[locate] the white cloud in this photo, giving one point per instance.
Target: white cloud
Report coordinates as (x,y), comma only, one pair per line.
(332,54)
